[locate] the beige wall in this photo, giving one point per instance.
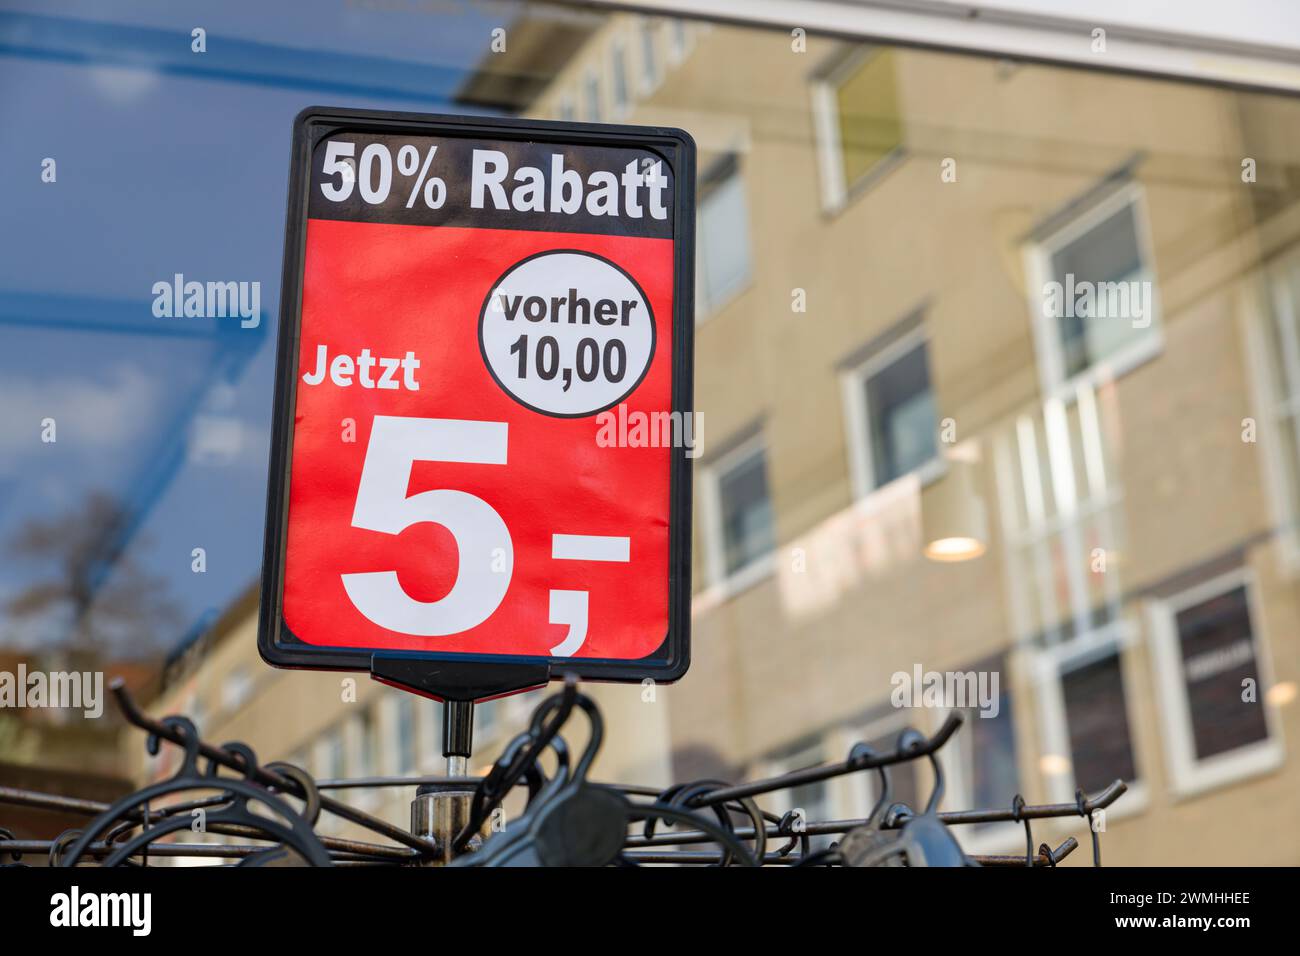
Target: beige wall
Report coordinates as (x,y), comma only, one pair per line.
(1027,140)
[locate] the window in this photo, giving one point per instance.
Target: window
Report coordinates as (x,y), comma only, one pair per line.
(904,787)
(434,724)
(618,71)
(990,768)
(1275,371)
(591,96)
(649,62)
(487,717)
(1061,510)
(1093,283)
(565,112)
(236,689)
(679,40)
(1212,692)
(407,747)
(742,512)
(1101,747)
(983,766)
(812,800)
(722,237)
(1086,735)
(367,745)
(859,124)
(330,752)
(891,414)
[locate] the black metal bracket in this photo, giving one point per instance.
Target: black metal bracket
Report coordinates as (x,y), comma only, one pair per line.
(459,680)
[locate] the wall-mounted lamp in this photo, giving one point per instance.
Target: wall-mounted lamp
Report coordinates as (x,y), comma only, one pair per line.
(1279,695)
(954,523)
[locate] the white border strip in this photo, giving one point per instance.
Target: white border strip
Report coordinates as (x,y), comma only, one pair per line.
(979,27)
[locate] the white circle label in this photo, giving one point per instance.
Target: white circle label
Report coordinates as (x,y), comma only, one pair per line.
(567,333)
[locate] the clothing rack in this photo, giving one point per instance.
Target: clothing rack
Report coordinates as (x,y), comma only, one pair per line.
(568,820)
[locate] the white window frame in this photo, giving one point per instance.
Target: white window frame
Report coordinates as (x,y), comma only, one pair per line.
(957,757)
(238,687)
(679,40)
(705,307)
(618,77)
(429,717)
(591,83)
(836,190)
(1050,665)
(1047,340)
(392,709)
(322,748)
(715,548)
(1020,461)
(1189,776)
(857,417)
(862,792)
(565,109)
(1271,314)
(648,36)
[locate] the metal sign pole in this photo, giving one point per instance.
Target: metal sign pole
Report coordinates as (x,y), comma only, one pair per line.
(440,810)
(457,735)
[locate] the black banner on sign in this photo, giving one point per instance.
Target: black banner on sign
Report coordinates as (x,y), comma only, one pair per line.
(453,181)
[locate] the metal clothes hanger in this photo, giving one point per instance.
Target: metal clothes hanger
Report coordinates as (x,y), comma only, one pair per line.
(1017,807)
(924,840)
(291,831)
(867,841)
(571,822)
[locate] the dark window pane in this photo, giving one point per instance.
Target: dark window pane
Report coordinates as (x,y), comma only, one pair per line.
(746,513)
(813,799)
(902,776)
(901,409)
(406,747)
(1217,650)
(992,741)
(1101,746)
(1108,252)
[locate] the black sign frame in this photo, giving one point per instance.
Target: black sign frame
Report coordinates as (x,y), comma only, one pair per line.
(454,676)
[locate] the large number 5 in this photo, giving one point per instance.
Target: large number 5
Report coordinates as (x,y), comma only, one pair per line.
(486,551)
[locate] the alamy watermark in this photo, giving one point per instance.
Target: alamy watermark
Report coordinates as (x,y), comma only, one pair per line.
(1126,299)
(960,690)
(208,300)
(133,911)
(620,428)
(75,690)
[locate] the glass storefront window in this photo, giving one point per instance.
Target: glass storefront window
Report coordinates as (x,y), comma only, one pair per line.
(1050,293)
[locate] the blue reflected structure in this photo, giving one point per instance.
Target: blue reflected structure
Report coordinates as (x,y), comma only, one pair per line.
(131,156)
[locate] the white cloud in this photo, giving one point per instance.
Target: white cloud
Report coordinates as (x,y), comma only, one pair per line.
(91,416)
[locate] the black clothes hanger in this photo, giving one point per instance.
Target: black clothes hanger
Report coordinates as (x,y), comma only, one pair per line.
(680,797)
(924,840)
(291,831)
(1017,808)
(869,841)
(570,822)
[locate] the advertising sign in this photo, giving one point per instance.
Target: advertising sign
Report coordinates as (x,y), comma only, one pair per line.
(472,312)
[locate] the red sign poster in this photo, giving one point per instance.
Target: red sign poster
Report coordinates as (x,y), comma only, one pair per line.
(472,313)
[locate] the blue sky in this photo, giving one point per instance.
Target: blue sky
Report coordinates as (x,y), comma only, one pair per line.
(168,161)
